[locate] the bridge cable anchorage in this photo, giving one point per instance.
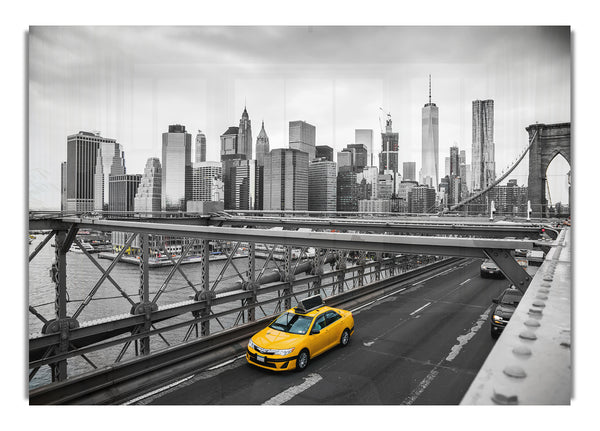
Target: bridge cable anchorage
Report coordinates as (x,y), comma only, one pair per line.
(500,179)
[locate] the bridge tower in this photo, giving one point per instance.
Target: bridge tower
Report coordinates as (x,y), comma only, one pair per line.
(549,141)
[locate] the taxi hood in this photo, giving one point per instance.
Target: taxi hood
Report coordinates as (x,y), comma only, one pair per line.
(270,338)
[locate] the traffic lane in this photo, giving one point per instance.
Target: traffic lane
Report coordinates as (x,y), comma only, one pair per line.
(239,383)
(404,361)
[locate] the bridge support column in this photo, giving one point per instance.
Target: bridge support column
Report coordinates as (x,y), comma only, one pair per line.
(378,266)
(144,307)
(509,266)
(251,282)
(317,269)
(341,265)
(362,259)
(206,292)
(288,276)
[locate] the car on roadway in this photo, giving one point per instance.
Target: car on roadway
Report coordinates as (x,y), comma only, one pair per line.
(506,304)
(299,335)
(490,269)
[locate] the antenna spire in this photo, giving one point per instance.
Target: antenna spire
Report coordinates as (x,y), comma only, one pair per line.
(430,89)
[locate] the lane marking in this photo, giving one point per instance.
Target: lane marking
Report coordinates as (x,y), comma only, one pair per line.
(378,299)
(290,393)
(362,306)
(464,282)
(421,387)
(231,361)
(464,339)
(156,391)
(393,293)
(419,309)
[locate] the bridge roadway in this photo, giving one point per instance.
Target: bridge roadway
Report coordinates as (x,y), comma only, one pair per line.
(417,343)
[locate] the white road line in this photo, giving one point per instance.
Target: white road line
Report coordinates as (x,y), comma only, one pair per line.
(290,393)
(231,361)
(465,282)
(421,387)
(393,293)
(156,391)
(378,299)
(464,339)
(419,309)
(362,306)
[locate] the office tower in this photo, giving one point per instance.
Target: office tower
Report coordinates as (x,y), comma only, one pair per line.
(82,156)
(176,169)
(122,190)
(430,142)
(63,186)
(245,136)
(324,152)
(462,171)
(347,191)
(148,197)
(374,206)
(454,162)
(110,160)
(482,162)
(344,160)
(365,137)
(229,144)
(360,156)
(200,149)
(388,157)
(286,180)
(509,199)
(447,165)
(207,181)
(421,199)
(262,150)
(409,171)
(370,175)
(385,186)
(239,184)
(302,136)
(405,187)
(322,186)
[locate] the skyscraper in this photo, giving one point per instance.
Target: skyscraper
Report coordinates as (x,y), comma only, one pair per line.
(262,150)
(122,190)
(110,160)
(365,137)
(483,164)
(388,157)
(286,180)
(200,149)
(454,162)
(239,183)
(302,136)
(229,144)
(148,197)
(245,135)
(347,191)
(82,156)
(322,186)
(409,171)
(176,169)
(430,142)
(324,151)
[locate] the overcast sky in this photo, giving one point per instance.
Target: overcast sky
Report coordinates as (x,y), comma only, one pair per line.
(130,83)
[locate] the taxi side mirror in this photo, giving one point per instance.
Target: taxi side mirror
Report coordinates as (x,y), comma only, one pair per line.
(315,331)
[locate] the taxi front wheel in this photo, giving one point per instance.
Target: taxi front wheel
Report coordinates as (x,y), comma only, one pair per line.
(302,360)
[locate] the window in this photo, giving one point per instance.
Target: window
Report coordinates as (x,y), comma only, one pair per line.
(331,316)
(320,322)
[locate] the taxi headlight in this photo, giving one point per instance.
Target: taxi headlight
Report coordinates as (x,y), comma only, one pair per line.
(497,318)
(282,352)
(251,344)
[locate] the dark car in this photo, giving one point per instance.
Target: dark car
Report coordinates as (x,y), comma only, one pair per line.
(490,269)
(506,304)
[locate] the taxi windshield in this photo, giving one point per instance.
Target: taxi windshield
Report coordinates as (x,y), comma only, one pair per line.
(292,323)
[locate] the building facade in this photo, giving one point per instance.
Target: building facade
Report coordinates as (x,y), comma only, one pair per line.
(483,165)
(245,136)
(374,206)
(176,169)
(365,137)
(239,184)
(302,136)
(286,180)
(322,186)
(122,191)
(262,150)
(82,157)
(430,142)
(409,171)
(324,152)
(110,160)
(148,197)
(421,199)
(388,157)
(347,191)
(207,181)
(200,149)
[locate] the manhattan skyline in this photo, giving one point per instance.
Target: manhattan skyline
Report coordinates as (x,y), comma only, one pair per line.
(130,83)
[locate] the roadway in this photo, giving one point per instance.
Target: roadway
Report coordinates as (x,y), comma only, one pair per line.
(418,343)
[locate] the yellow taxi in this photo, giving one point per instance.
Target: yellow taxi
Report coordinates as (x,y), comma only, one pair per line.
(300,334)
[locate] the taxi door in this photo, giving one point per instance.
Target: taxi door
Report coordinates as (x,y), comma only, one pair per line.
(319,342)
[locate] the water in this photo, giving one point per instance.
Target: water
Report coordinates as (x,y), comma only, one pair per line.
(82,275)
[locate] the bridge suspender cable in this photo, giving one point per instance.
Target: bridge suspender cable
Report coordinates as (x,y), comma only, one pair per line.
(499,180)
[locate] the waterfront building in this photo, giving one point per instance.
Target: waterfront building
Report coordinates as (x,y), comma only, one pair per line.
(207,181)
(347,191)
(365,137)
(122,190)
(430,142)
(176,169)
(200,149)
(322,186)
(286,180)
(110,160)
(421,199)
(405,187)
(374,206)
(344,160)
(483,164)
(409,171)
(245,136)
(302,136)
(509,199)
(324,151)
(82,157)
(148,197)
